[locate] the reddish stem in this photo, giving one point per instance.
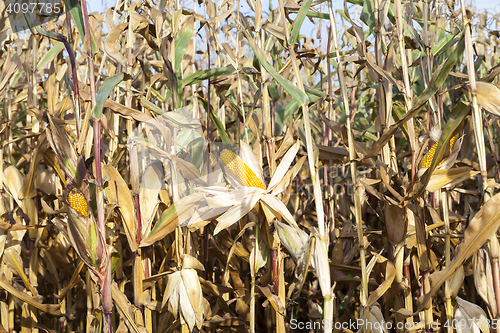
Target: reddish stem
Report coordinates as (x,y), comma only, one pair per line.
(274,254)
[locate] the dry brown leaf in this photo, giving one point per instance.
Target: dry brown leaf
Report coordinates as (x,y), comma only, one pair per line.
(118,193)
(125,309)
(53,309)
(395,223)
(482,227)
(488,97)
(449,177)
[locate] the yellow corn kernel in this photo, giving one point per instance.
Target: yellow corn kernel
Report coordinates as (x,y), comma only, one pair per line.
(77,201)
(427,160)
(242,172)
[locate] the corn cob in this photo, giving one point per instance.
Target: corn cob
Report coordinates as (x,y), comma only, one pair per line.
(241,171)
(77,201)
(426,162)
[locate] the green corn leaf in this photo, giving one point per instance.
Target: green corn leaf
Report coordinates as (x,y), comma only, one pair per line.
(76,13)
(206,74)
(295,92)
(297,24)
(181,43)
(104,92)
(50,55)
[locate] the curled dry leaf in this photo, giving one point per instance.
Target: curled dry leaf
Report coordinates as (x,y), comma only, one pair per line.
(395,223)
(112,43)
(456,281)
(483,279)
(118,193)
(184,295)
(322,264)
(482,227)
(13,181)
(152,183)
(488,97)
(126,310)
(258,257)
(449,177)
(53,309)
(390,274)
(375,320)
(172,217)
(470,318)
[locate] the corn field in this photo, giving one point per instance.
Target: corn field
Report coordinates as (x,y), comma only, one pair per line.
(176,166)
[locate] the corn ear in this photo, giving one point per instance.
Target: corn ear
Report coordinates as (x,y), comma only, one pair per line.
(77,201)
(184,295)
(427,160)
(240,170)
(83,231)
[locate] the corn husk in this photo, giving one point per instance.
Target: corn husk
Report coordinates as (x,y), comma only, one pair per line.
(183,294)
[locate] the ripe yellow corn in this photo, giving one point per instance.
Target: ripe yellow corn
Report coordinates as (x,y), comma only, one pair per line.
(243,173)
(77,201)
(427,160)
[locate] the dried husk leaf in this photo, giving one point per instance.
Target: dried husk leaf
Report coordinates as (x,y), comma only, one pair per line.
(118,193)
(248,157)
(65,153)
(456,281)
(322,267)
(472,315)
(289,176)
(488,97)
(184,296)
(483,279)
(172,217)
(395,223)
(278,208)
(194,292)
(88,242)
(251,195)
(449,177)
(283,167)
(259,259)
(152,183)
(13,181)
(293,239)
(202,217)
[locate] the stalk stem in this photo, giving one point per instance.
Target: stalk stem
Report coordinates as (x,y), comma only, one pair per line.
(352,156)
